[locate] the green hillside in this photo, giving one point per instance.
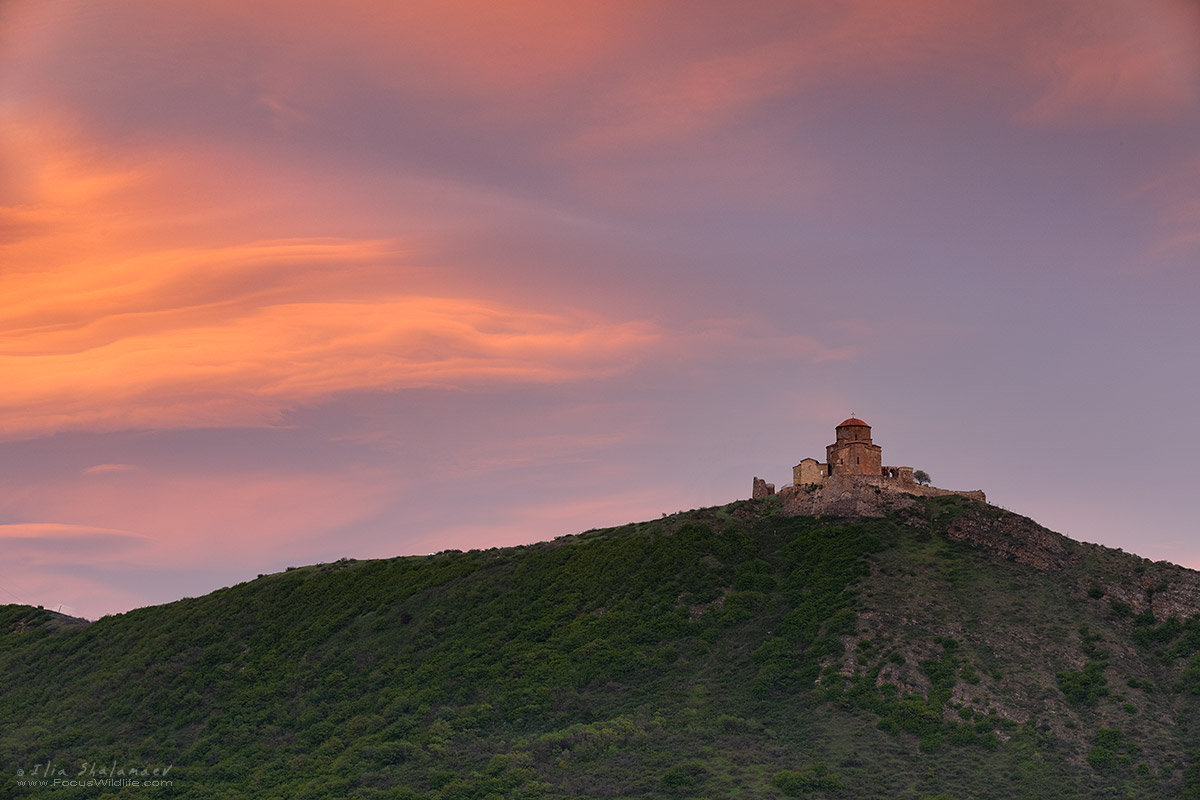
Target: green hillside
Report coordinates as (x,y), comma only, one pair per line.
(729,652)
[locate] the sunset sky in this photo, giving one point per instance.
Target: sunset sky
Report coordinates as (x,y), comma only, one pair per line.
(285,282)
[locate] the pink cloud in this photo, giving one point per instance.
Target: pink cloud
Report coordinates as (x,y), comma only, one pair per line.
(105,469)
(37,554)
(1116,64)
(1175,197)
(120,525)
(156,519)
(53,535)
(544,520)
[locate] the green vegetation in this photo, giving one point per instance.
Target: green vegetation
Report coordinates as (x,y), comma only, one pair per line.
(1111,751)
(1084,687)
(726,652)
(815,777)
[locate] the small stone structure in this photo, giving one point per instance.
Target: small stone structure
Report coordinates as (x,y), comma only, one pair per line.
(762,489)
(852,463)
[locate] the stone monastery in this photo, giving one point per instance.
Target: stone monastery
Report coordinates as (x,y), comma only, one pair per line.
(852,463)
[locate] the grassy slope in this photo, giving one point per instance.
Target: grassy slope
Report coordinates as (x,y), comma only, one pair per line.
(727,652)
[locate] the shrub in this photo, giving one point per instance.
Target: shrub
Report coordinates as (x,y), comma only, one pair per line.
(1084,687)
(1189,680)
(815,777)
(1106,754)
(932,742)
(683,777)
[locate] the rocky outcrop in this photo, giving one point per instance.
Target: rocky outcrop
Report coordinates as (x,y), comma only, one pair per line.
(1011,535)
(843,496)
(1165,590)
(1121,580)
(859,496)
(1133,584)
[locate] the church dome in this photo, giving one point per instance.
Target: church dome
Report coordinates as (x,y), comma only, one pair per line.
(853,421)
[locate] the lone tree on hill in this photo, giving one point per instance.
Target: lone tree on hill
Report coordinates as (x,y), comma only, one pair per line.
(921,477)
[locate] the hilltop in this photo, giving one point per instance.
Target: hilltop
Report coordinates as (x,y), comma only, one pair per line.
(947,648)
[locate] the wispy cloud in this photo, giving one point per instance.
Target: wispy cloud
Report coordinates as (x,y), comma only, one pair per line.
(1129,65)
(106,469)
(556,258)
(1174,196)
(249,368)
(46,542)
(106,327)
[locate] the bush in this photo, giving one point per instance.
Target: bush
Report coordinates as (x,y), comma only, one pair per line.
(932,742)
(1189,679)
(1105,755)
(683,777)
(815,777)
(1084,687)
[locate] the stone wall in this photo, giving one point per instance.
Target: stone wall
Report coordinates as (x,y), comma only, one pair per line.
(762,488)
(854,458)
(903,474)
(809,471)
(860,496)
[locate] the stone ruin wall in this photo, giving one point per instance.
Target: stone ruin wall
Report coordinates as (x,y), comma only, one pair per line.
(854,495)
(852,481)
(860,496)
(909,486)
(762,489)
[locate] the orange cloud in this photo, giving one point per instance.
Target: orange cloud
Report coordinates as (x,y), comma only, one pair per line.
(56,534)
(172,367)
(121,312)
(109,324)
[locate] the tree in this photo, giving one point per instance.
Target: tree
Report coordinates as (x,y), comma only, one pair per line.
(921,477)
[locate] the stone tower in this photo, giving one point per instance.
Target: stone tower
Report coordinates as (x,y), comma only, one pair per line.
(853,453)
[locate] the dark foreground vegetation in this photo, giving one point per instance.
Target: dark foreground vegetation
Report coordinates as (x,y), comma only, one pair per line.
(723,653)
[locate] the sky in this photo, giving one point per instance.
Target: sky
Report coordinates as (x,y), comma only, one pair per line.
(287,282)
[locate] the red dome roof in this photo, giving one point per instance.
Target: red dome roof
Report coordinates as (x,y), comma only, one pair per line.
(853,421)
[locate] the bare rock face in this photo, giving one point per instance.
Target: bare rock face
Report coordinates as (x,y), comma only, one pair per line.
(1180,599)
(1011,535)
(858,496)
(1165,590)
(843,498)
